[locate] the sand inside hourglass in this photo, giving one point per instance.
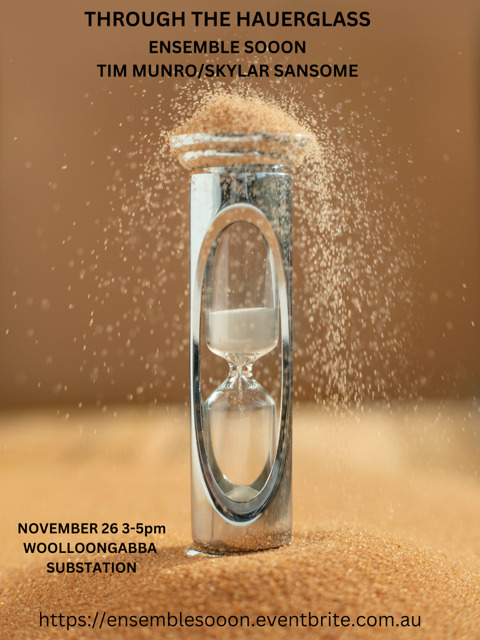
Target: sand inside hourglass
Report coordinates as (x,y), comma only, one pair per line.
(252,331)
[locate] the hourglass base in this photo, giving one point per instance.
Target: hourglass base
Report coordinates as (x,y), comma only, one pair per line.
(247,544)
(218,549)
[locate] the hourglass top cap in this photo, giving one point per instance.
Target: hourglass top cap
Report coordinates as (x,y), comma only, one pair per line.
(228,129)
(199,150)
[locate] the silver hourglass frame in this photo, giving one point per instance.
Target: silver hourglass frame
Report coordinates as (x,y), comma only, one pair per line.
(240,177)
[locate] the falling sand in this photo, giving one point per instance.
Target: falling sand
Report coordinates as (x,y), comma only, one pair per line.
(355,291)
(353,303)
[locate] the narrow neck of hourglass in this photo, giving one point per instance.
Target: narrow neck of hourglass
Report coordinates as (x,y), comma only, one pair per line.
(240,372)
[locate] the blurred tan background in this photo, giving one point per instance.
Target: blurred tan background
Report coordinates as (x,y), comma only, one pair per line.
(68,334)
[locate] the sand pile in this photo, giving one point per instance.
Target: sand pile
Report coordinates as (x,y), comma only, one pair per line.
(382,528)
(224,112)
(345,572)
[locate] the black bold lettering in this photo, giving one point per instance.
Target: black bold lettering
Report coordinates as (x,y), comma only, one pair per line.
(139,71)
(299,18)
(364,19)
(352,19)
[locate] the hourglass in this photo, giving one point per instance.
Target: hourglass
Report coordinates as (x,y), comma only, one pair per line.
(241,315)
(240,262)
